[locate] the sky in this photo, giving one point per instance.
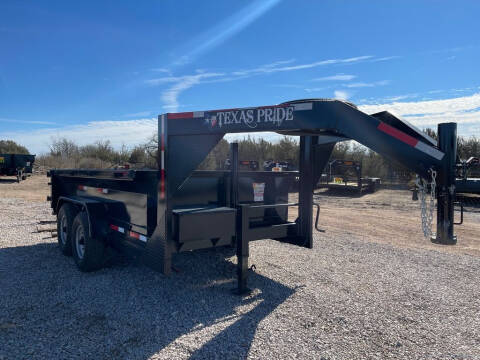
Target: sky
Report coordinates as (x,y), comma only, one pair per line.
(104,70)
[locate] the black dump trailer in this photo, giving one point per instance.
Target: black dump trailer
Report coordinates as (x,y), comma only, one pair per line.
(19,165)
(175,209)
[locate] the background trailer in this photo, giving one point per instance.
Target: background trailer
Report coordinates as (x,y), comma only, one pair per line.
(347,175)
(18,165)
(177,208)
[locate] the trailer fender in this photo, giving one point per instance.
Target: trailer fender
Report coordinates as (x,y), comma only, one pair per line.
(96,213)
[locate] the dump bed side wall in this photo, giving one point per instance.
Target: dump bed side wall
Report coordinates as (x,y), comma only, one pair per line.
(6,164)
(213,188)
(130,201)
(9,163)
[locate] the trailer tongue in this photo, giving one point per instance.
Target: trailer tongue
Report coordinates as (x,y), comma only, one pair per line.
(179,209)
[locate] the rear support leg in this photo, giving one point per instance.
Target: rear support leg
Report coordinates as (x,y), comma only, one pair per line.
(447,142)
(242,252)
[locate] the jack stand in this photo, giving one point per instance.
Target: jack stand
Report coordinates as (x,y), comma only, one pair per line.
(447,143)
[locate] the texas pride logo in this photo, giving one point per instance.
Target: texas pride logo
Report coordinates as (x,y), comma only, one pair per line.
(250,117)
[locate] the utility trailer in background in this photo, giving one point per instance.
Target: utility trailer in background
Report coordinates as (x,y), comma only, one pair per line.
(19,165)
(339,177)
(158,213)
(245,165)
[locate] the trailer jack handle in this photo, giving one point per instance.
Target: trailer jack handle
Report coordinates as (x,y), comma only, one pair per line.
(461,212)
(317,205)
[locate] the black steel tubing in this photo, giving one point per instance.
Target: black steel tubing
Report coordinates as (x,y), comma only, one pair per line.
(447,143)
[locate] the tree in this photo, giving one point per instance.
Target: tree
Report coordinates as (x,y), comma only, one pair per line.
(138,155)
(63,147)
(11,147)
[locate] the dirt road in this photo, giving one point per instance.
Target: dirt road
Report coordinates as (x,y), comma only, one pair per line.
(34,188)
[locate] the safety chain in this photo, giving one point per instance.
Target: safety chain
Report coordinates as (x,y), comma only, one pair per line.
(427,210)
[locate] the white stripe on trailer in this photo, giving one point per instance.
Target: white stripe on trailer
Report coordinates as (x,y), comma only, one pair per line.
(302,106)
(137,236)
(437,154)
(122,230)
(197,114)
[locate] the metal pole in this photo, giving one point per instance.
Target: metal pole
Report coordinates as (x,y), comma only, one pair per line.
(305,193)
(241,224)
(447,143)
(234,174)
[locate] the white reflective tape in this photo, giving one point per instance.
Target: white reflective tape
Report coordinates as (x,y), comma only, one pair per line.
(197,114)
(105,191)
(143,238)
(122,230)
(162,153)
(437,154)
(303,106)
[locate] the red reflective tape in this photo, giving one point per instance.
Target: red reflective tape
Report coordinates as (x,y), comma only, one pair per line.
(82,187)
(162,183)
(397,134)
(114,227)
(134,235)
(184,115)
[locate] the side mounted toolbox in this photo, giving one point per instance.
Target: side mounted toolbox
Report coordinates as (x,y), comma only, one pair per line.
(202,227)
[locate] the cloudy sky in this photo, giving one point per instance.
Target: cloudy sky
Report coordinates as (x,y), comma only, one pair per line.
(94,70)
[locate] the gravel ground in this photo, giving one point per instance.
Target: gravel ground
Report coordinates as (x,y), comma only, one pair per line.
(345,299)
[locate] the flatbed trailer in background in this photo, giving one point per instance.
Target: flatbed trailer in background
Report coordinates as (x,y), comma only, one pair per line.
(339,177)
(19,165)
(158,213)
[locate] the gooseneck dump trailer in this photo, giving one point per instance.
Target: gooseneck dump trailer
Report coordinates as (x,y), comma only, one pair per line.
(18,165)
(174,209)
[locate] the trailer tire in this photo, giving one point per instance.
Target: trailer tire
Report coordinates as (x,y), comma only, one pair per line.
(65,218)
(88,252)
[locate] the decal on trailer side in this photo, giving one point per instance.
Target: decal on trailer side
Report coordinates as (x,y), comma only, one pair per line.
(258,191)
(251,117)
(276,115)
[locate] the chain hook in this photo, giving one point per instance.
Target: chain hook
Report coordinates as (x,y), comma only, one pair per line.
(427,212)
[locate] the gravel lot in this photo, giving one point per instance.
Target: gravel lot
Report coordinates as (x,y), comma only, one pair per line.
(348,298)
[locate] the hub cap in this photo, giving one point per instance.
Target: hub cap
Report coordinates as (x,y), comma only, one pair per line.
(80,242)
(63,230)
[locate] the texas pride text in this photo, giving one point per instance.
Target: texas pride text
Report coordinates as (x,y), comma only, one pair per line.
(252,117)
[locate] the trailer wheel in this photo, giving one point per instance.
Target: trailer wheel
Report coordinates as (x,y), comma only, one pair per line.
(88,252)
(64,228)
